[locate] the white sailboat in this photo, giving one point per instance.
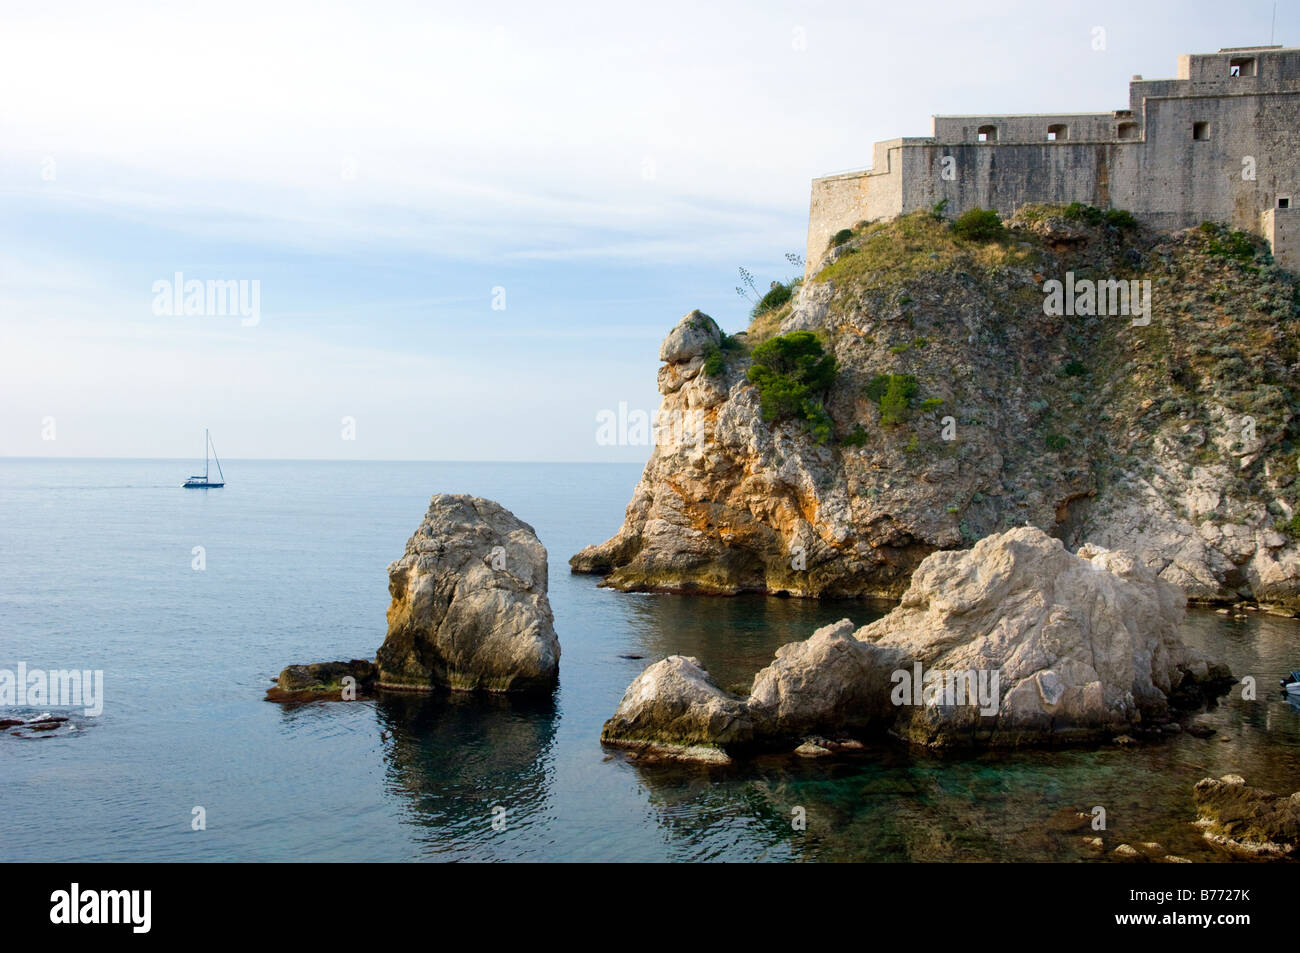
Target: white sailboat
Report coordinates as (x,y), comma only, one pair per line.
(202,482)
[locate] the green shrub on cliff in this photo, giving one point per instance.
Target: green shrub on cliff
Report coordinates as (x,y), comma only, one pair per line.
(893,392)
(715,359)
(897,399)
(978,225)
(858,437)
(792,372)
(778,295)
(840,237)
(1224,242)
(1120,218)
(1091,215)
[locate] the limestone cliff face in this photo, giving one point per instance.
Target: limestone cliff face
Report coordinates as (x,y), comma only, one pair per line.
(1174,437)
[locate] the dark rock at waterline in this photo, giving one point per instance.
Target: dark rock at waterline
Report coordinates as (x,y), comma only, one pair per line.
(1246,821)
(26,728)
(322,680)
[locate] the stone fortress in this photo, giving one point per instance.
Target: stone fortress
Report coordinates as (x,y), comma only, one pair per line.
(1221,142)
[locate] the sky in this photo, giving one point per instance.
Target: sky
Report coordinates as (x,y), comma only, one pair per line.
(469,225)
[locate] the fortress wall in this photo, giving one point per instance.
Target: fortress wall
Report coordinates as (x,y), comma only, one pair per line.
(835,203)
(1180,181)
(1084,127)
(841,201)
(1273,67)
(1007,176)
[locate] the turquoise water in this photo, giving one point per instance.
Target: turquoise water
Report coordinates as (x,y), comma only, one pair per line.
(96,573)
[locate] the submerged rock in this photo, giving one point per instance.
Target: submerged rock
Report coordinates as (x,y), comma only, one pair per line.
(1246,821)
(36,726)
(469,607)
(1016,641)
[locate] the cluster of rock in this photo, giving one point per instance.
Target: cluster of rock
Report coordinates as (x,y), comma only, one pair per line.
(1246,822)
(36,726)
(469,611)
(1016,641)
(1171,444)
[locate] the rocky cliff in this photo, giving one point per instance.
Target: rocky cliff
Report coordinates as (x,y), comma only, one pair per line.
(964,401)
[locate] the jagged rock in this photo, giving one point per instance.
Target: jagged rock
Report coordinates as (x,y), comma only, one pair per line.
(695,335)
(1081,645)
(674,706)
(469,607)
(810,749)
(1010,423)
(830,680)
(1246,821)
(1059,647)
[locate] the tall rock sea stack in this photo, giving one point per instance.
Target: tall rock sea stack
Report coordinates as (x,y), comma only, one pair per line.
(469,607)
(965,401)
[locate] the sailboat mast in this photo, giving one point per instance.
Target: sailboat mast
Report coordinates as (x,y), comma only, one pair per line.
(206,441)
(217,459)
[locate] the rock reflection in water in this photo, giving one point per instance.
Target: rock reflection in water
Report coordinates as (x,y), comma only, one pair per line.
(458,756)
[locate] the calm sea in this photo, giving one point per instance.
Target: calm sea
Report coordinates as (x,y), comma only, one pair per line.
(96,572)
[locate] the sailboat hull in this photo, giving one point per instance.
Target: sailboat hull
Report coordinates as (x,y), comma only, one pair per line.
(201,486)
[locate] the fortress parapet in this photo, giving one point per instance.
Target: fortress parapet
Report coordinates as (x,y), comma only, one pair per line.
(1220,142)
